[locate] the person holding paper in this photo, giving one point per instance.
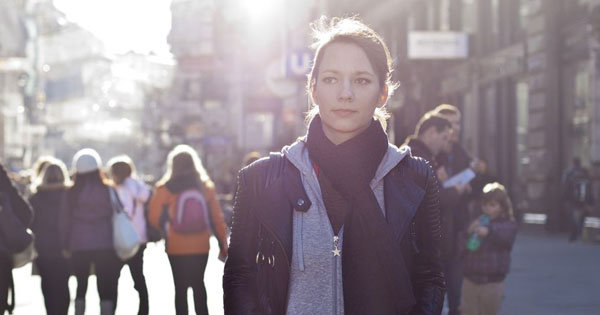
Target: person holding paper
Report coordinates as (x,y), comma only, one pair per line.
(455,160)
(432,136)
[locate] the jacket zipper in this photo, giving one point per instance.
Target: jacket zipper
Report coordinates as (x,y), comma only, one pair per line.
(335,261)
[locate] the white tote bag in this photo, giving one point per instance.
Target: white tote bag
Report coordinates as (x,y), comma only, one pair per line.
(23,258)
(125,239)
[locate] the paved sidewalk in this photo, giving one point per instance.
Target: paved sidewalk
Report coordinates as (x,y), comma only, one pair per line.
(550,276)
(158,277)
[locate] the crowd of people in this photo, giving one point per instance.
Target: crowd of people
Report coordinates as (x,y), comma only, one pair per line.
(339,222)
(72,217)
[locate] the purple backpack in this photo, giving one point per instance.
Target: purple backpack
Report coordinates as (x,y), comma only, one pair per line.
(191,212)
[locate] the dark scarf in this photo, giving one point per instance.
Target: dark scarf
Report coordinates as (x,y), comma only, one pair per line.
(374,275)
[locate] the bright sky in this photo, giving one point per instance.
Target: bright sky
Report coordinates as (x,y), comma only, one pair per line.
(138,25)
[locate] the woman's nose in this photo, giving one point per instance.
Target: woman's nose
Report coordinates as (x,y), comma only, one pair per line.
(346,93)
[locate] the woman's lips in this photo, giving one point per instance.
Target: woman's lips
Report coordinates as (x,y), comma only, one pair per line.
(343,112)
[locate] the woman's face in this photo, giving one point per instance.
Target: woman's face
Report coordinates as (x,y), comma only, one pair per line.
(347,91)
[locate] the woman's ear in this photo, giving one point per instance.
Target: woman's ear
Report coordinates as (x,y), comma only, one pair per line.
(383,97)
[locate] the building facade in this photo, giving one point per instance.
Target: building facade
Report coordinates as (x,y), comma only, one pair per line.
(526,89)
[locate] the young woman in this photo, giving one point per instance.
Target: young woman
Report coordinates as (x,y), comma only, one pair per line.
(49,190)
(342,222)
(86,232)
(133,194)
(187,250)
(487,259)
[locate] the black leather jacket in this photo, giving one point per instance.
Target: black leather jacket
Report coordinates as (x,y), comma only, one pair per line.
(258,268)
(18,205)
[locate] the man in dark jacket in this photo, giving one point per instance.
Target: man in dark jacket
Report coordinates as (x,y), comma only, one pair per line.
(23,212)
(455,159)
(432,136)
(578,196)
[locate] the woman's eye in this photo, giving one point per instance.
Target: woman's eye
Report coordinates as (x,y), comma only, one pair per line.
(329,80)
(363,81)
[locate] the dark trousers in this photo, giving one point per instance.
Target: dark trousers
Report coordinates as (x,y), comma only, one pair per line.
(453,273)
(5,279)
(188,271)
(576,216)
(136,267)
(107,267)
(55,273)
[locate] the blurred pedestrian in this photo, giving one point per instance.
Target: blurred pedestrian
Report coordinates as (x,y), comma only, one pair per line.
(315,231)
(49,189)
(86,231)
(30,176)
(10,201)
(250,158)
(133,194)
(487,244)
(578,197)
(431,138)
(455,159)
(186,209)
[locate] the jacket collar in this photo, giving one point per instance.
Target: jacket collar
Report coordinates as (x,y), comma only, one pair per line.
(297,154)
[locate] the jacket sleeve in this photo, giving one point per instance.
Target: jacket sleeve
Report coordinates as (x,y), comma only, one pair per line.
(20,207)
(216,214)
(155,207)
(428,282)
(142,191)
(240,268)
(502,234)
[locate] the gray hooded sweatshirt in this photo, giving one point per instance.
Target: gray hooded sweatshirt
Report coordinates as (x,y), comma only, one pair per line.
(315,285)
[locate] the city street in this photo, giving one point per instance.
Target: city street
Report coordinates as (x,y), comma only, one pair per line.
(549,276)
(158,277)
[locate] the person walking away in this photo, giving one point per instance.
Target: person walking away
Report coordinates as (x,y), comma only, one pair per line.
(578,196)
(341,221)
(48,191)
(34,173)
(486,246)
(23,212)
(133,194)
(86,232)
(186,209)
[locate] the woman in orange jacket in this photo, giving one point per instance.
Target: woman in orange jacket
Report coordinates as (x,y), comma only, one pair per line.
(185,208)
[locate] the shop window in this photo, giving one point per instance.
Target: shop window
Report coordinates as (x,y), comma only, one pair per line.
(578,99)
(432,16)
(444,15)
(64,88)
(522,110)
(495,17)
(469,16)
(490,141)
(470,128)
